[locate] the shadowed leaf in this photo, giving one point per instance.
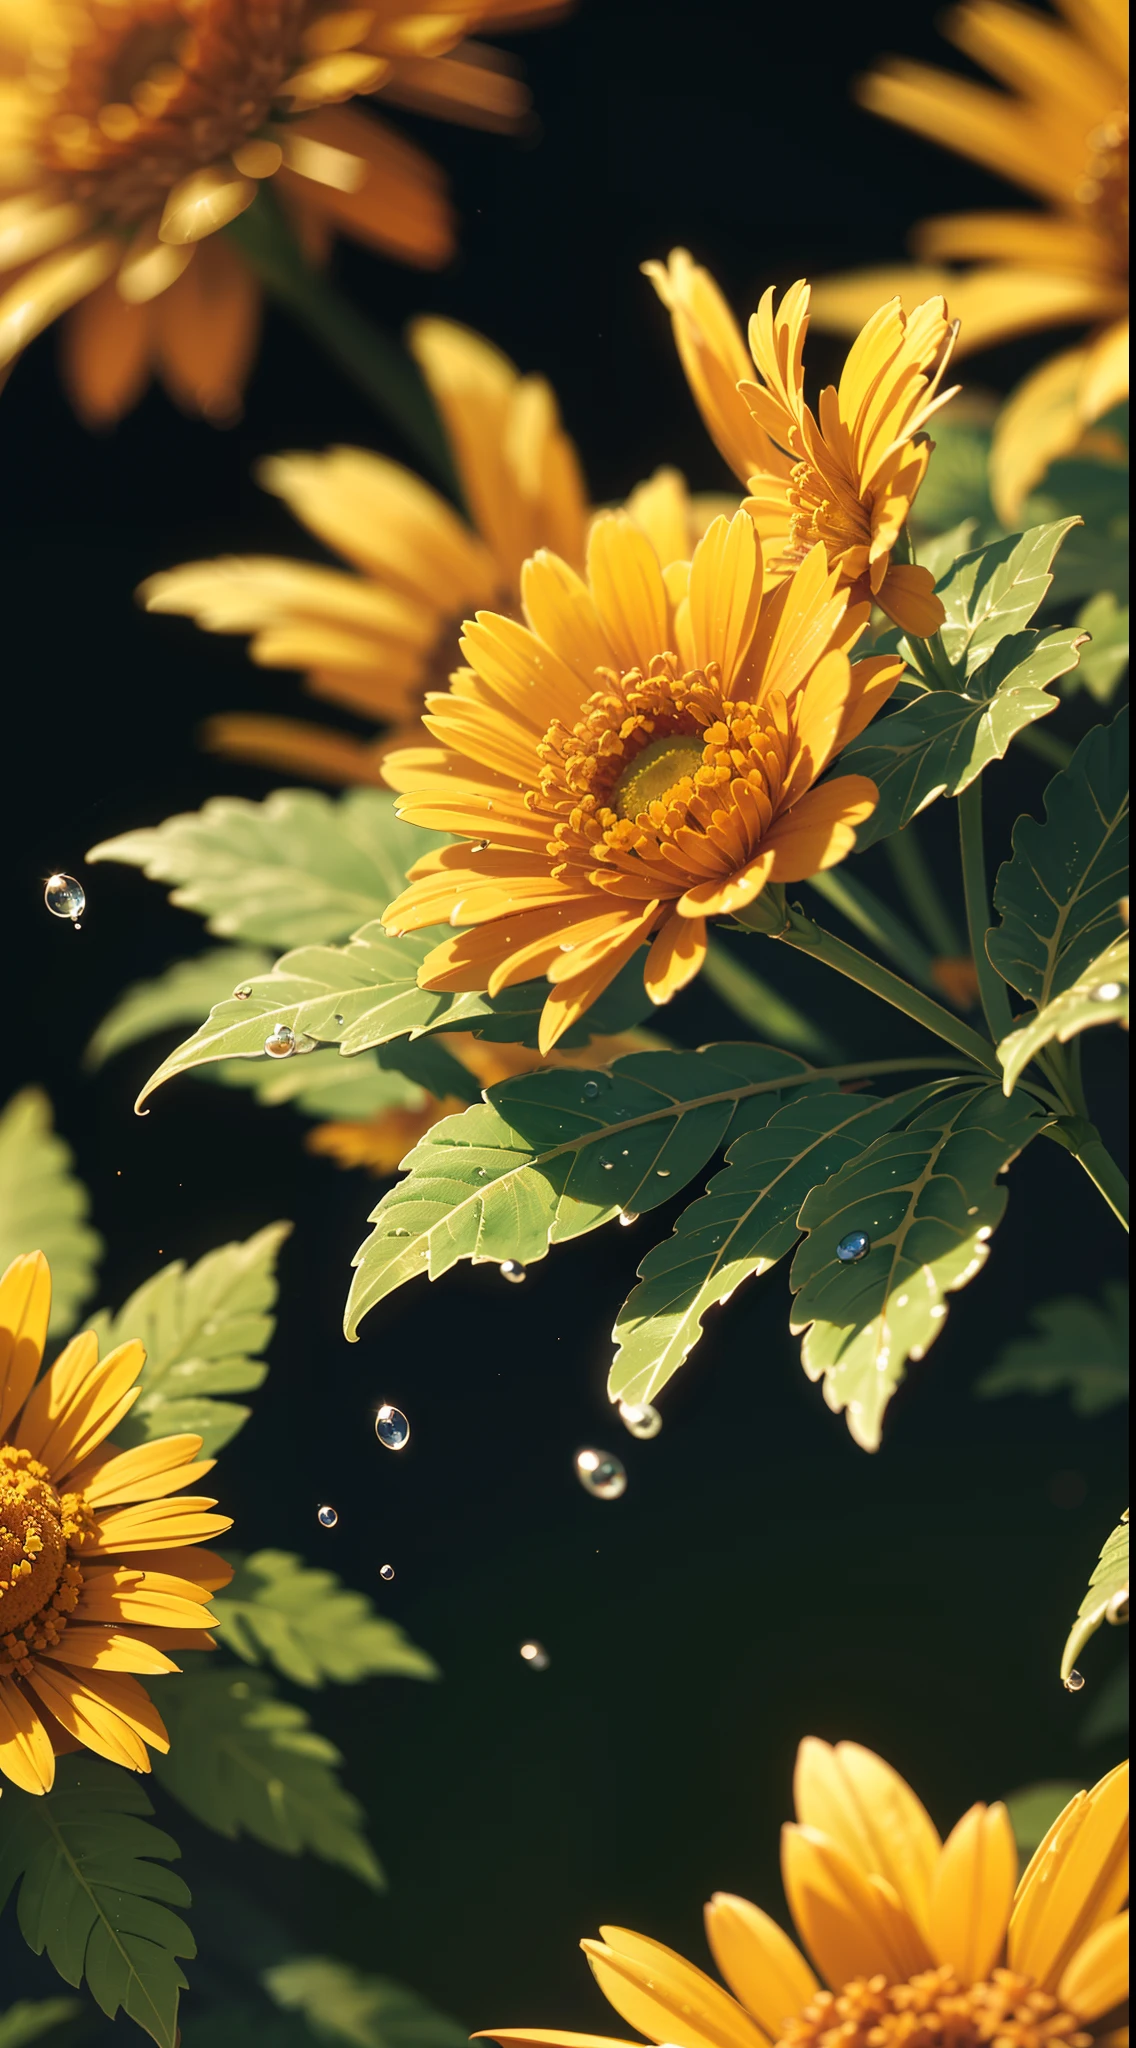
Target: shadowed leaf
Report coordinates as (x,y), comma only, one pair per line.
(1080,1347)
(31,2019)
(44,1206)
(342,2004)
(1098,996)
(279,1610)
(1104,661)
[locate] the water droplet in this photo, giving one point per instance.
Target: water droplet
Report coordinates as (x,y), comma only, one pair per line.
(242,994)
(855,1246)
(1075,1681)
(591,1090)
(386,1571)
(281,1043)
(535,1656)
(512,1269)
(327,1516)
(608,1165)
(601,1474)
(65,897)
(338,1017)
(392,1427)
(1107,992)
(640,1418)
(479,846)
(663,1172)
(628,1216)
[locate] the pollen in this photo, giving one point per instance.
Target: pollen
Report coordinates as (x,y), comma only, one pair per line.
(39,1582)
(934,2010)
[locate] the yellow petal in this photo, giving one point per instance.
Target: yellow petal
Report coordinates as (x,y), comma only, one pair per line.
(1076,1880)
(39,295)
(205,201)
(1097,1978)
(973,1892)
(851,1924)
(79,1401)
(762,1967)
(550,2037)
(106,1648)
(25,1305)
(338,76)
(871,1813)
(150,265)
(32,226)
(724,594)
(26,1754)
(324,164)
(1040,421)
(144,1473)
(667,1998)
(626,580)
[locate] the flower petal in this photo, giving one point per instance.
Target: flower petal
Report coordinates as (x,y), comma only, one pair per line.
(26,1755)
(1097,1978)
(667,1998)
(820,829)
(25,1305)
(972,1892)
(78,1402)
(627,584)
(762,1967)
(675,957)
(108,1712)
(1076,1880)
(725,594)
(871,1813)
(851,1924)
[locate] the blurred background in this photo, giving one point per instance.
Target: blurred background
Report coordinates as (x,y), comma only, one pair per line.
(762,1577)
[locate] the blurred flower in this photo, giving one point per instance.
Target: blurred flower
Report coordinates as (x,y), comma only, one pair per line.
(637,757)
(924,1944)
(81,1605)
(375,638)
(135,129)
(1061,132)
(849,481)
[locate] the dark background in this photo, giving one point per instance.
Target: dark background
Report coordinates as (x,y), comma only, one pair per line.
(762,1577)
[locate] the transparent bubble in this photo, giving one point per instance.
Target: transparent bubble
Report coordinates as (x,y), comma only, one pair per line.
(392,1427)
(281,1043)
(601,1474)
(1075,1681)
(855,1246)
(535,1656)
(65,897)
(591,1090)
(512,1269)
(640,1418)
(386,1571)
(327,1516)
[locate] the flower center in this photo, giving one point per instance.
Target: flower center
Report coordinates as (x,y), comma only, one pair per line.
(38,1584)
(935,2010)
(654,775)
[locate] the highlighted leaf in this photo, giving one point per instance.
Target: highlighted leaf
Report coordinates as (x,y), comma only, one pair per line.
(1081,1347)
(95,1892)
(1098,996)
(551,1155)
(279,1610)
(31,2019)
(1107,1596)
(44,1206)
(245,1762)
(927,1199)
(203,1327)
(1059,896)
(322,1084)
(342,2004)
(995,591)
(742,1225)
(176,997)
(299,868)
(1105,659)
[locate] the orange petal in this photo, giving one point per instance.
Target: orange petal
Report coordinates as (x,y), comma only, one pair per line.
(26,1755)
(664,1996)
(105,355)
(1097,1978)
(973,1892)
(675,957)
(820,829)
(762,1967)
(907,595)
(79,1401)
(108,1712)
(851,1925)
(872,1814)
(25,1305)
(1076,1880)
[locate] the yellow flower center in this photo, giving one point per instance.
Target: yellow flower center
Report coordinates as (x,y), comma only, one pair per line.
(934,2010)
(39,1584)
(654,775)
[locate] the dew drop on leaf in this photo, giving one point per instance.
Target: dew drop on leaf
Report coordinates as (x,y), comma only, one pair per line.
(855,1246)
(1075,1681)
(591,1090)
(640,1418)
(1107,992)
(327,1516)
(512,1269)
(601,1474)
(392,1427)
(281,1043)
(662,1172)
(628,1216)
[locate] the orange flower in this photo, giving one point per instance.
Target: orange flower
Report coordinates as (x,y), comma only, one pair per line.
(85,1599)
(640,756)
(848,480)
(135,129)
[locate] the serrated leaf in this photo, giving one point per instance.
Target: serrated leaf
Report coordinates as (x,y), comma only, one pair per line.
(94,1890)
(44,1206)
(1034,1808)
(1098,996)
(246,1762)
(937,743)
(280,1610)
(299,868)
(1104,661)
(928,1200)
(203,1328)
(995,591)
(31,2018)
(342,2004)
(1059,895)
(1080,1347)
(551,1155)
(177,996)
(1107,1596)
(742,1225)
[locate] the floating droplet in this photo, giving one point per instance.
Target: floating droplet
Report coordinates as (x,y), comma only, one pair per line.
(281,1043)
(640,1418)
(327,1516)
(65,897)
(1107,992)
(1075,1681)
(628,1216)
(392,1427)
(600,1473)
(512,1269)
(663,1172)
(591,1090)
(535,1656)
(855,1246)
(386,1571)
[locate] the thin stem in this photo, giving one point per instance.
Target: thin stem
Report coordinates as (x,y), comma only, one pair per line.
(1046,745)
(381,369)
(991,987)
(912,872)
(887,932)
(763,1008)
(1081,1138)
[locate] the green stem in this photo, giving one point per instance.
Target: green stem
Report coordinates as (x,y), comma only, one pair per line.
(991,987)
(1046,745)
(763,1008)
(382,370)
(1081,1138)
(912,872)
(887,932)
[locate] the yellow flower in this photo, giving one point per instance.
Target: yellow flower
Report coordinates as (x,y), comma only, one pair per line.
(376,638)
(85,1601)
(847,480)
(1060,130)
(638,756)
(921,1943)
(135,129)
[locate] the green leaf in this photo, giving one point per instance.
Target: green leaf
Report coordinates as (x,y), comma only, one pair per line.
(344,2004)
(1081,1348)
(551,1155)
(1104,661)
(1096,557)
(928,1200)
(44,1206)
(1098,996)
(203,1327)
(1059,896)
(299,868)
(742,1225)
(956,485)
(281,1611)
(1106,1599)
(322,1084)
(939,552)
(177,996)
(31,2018)
(246,1762)
(1034,1808)
(91,1893)
(995,591)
